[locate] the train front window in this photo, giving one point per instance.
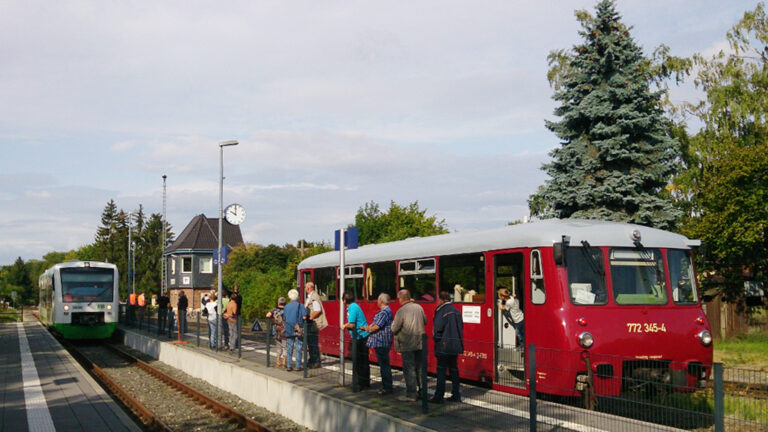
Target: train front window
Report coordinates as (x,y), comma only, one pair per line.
(88,284)
(586,275)
(682,278)
(638,277)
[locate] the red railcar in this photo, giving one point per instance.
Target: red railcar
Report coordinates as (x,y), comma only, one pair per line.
(620,298)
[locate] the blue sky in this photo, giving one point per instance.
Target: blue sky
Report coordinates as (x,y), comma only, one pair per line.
(334,104)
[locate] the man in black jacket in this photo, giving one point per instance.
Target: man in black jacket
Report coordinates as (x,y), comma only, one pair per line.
(448,330)
(182,305)
(162,312)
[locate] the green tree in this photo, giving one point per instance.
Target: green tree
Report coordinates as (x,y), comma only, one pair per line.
(398,223)
(724,187)
(616,154)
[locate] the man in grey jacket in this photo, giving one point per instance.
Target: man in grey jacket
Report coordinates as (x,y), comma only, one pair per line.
(408,328)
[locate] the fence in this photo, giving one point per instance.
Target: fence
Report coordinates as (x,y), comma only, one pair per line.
(632,394)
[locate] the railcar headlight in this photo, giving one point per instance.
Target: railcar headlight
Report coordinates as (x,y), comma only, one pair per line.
(586,340)
(66,307)
(705,337)
(109,307)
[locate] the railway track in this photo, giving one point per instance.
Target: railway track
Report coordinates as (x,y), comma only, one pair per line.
(159,400)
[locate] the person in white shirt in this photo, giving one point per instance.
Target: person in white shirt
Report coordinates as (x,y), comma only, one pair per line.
(210,306)
(510,307)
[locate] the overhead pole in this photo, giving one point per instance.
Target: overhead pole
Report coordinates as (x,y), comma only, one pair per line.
(221,217)
(163,264)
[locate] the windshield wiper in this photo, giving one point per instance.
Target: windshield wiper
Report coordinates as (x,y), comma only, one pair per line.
(593,264)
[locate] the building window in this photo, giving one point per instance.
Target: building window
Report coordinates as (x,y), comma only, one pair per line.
(173,265)
(206,264)
(186,264)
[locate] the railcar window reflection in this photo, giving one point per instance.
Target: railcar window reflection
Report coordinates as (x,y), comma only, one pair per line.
(464,277)
(353,281)
(325,283)
(638,277)
(87,284)
(586,275)
(418,276)
(381,278)
(681,277)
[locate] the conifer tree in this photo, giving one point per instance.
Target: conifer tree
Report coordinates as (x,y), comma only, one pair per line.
(616,154)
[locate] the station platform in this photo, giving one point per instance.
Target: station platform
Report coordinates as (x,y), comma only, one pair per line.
(320,403)
(42,388)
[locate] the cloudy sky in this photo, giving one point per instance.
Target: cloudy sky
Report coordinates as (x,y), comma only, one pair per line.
(334,103)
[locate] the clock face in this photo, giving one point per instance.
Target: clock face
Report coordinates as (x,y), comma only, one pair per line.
(234,214)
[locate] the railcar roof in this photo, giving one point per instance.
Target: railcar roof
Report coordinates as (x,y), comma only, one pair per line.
(535,234)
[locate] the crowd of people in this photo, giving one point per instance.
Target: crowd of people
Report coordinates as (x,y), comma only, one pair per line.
(404,329)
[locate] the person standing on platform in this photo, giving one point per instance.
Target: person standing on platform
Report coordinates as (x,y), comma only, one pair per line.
(181,307)
(380,339)
(142,303)
(294,315)
(210,307)
(448,337)
(355,323)
(224,323)
(162,312)
(132,307)
(278,330)
(317,322)
(239,302)
(230,314)
(408,328)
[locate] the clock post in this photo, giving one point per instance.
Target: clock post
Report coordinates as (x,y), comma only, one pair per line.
(221,214)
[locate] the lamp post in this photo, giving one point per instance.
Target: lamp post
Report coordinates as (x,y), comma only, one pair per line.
(221,215)
(131,253)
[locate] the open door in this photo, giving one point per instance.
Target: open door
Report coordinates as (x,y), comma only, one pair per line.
(508,273)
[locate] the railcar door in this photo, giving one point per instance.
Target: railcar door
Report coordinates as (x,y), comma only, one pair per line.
(508,270)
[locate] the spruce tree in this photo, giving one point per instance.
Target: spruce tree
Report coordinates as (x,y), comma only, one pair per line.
(616,154)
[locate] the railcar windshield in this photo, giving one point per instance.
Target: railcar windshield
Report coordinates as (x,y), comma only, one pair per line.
(586,275)
(682,278)
(87,284)
(637,276)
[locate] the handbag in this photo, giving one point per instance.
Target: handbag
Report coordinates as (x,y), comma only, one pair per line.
(298,330)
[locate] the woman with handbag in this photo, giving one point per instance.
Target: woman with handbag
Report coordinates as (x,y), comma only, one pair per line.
(294,315)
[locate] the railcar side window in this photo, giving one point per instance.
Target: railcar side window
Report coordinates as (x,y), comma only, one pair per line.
(418,277)
(586,275)
(463,276)
(353,281)
(682,278)
(538,293)
(381,278)
(637,276)
(325,283)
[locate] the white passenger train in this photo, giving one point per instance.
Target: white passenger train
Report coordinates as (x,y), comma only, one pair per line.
(79,299)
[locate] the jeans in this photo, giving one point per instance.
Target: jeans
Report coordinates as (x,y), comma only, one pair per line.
(313,344)
(290,343)
(162,320)
(183,320)
(382,356)
(232,335)
(412,371)
(361,366)
(520,333)
(225,331)
(212,334)
(447,362)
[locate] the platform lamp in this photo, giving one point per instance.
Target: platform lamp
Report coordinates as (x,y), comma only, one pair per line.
(221,216)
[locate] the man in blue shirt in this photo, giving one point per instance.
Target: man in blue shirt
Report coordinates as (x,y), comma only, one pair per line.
(380,339)
(355,324)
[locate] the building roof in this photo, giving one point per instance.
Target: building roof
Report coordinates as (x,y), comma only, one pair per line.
(535,234)
(202,233)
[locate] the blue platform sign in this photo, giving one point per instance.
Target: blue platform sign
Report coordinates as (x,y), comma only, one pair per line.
(350,238)
(224,255)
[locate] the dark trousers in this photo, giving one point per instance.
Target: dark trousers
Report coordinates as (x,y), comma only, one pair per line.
(412,371)
(447,362)
(362,367)
(382,356)
(225,331)
(313,346)
(183,320)
(162,320)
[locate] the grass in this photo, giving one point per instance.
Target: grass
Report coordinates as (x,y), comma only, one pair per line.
(747,351)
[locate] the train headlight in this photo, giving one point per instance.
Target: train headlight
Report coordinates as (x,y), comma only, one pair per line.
(109,307)
(705,337)
(66,307)
(586,340)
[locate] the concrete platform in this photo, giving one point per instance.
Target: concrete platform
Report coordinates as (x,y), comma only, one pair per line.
(44,389)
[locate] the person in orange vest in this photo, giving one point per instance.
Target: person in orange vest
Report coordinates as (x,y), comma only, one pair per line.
(132,307)
(142,301)
(142,308)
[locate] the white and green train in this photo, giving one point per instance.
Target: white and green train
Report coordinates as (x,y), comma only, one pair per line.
(79,299)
